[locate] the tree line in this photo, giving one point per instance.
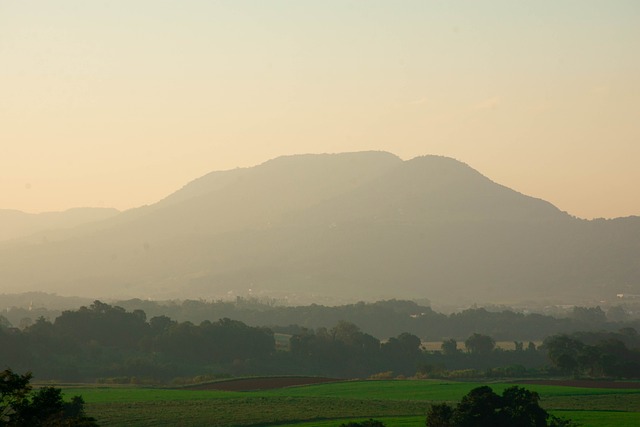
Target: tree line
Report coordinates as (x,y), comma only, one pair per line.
(389,318)
(381,319)
(596,354)
(105,341)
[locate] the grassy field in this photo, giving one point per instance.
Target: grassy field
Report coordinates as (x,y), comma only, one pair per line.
(398,403)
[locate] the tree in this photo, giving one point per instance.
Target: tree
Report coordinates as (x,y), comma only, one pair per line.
(520,407)
(480,344)
(14,389)
(449,347)
(481,407)
(110,326)
(19,406)
(402,353)
(439,415)
(478,408)
(608,356)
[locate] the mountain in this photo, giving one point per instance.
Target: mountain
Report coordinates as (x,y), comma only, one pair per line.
(339,227)
(16,224)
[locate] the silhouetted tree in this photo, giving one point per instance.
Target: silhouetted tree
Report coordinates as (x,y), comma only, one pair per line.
(563,352)
(520,407)
(20,407)
(449,347)
(479,344)
(481,407)
(402,354)
(439,415)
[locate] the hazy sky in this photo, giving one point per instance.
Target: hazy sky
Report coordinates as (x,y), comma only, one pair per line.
(118,103)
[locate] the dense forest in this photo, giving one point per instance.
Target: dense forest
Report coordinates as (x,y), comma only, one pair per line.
(109,343)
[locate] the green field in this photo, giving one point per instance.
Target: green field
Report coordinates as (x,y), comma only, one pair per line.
(397,402)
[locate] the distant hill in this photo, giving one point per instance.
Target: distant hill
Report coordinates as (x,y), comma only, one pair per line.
(337,227)
(16,224)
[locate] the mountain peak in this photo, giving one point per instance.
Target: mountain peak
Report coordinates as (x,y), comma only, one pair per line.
(340,225)
(371,155)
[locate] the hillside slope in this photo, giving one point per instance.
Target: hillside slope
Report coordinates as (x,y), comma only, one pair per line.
(344,226)
(16,224)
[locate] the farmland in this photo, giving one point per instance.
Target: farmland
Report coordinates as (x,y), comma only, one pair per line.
(396,402)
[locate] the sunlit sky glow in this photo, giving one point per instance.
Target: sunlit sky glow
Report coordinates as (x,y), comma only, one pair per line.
(119,103)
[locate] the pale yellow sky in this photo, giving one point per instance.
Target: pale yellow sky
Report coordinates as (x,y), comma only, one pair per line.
(118,103)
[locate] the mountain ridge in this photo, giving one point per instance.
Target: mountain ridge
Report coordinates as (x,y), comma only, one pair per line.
(15,224)
(350,225)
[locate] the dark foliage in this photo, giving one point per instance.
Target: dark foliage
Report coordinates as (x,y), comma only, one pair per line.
(20,406)
(480,344)
(109,342)
(104,341)
(596,354)
(481,407)
(342,350)
(439,415)
(385,319)
(449,347)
